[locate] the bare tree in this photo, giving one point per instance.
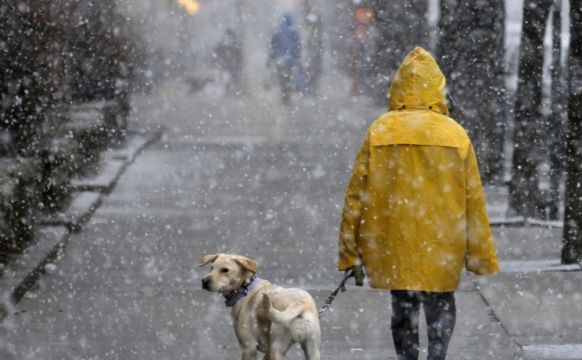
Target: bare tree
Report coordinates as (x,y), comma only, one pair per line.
(33,81)
(524,195)
(313,43)
(572,236)
(557,120)
(471,54)
(105,50)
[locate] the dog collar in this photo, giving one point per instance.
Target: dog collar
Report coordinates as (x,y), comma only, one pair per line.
(233,297)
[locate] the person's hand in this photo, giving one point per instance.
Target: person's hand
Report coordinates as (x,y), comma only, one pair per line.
(359,274)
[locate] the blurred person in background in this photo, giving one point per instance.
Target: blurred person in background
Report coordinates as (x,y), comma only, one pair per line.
(415,212)
(285,55)
(362,46)
(228,53)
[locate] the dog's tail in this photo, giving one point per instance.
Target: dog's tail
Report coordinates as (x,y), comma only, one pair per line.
(283,317)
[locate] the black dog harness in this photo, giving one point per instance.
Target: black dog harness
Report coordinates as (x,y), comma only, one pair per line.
(233,297)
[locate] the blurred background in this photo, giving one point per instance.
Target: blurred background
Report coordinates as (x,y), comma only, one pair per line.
(63,58)
(253,110)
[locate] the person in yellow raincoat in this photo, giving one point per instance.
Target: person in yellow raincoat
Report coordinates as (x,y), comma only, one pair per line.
(415,212)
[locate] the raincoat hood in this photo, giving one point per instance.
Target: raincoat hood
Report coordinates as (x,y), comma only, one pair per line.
(287,19)
(419,84)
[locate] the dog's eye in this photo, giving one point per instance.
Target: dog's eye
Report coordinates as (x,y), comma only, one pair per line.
(224,270)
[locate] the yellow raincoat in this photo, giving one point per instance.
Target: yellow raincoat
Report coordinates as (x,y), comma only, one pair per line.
(414,210)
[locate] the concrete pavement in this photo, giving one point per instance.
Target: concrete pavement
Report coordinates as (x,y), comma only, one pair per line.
(244,176)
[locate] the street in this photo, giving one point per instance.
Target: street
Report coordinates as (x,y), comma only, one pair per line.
(228,176)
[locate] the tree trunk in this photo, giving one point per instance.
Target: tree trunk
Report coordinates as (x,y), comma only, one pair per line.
(557,121)
(401,27)
(524,195)
(572,236)
(471,53)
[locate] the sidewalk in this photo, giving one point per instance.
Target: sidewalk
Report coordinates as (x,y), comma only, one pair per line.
(53,230)
(538,302)
(245,177)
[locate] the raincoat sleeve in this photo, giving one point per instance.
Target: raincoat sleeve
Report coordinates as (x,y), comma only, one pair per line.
(350,223)
(480,258)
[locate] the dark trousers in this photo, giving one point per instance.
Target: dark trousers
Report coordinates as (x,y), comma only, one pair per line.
(285,73)
(440,312)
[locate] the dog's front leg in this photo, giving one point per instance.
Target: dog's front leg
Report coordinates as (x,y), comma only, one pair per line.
(275,355)
(249,353)
(246,339)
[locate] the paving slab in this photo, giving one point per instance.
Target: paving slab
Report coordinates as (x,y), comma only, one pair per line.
(134,143)
(527,243)
(109,172)
(115,162)
(82,206)
(537,304)
(540,352)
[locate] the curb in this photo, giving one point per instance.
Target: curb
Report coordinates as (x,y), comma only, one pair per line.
(517,348)
(104,182)
(520,221)
(23,273)
(54,230)
(81,208)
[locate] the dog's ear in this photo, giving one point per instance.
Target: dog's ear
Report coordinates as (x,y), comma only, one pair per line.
(208,259)
(247,264)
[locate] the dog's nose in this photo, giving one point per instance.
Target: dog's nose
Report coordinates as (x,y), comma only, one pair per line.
(205,283)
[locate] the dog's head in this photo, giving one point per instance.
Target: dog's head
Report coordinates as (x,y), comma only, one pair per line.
(227,272)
